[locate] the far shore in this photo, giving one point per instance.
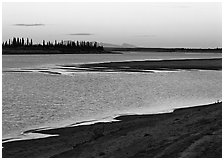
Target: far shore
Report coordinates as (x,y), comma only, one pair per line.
(194,132)
(107,50)
(142,49)
(51,51)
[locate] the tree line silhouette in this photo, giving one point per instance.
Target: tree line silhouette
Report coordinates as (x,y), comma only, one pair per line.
(28,43)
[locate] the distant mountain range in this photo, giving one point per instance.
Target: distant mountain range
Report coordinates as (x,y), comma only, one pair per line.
(124,45)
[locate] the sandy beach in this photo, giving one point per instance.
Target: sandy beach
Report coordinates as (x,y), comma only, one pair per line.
(187,132)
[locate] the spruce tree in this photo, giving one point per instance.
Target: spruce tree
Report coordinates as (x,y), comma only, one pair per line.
(22,41)
(27,41)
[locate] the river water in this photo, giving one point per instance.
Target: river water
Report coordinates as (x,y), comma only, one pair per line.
(35,99)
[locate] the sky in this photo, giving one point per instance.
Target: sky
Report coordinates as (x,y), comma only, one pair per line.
(143,24)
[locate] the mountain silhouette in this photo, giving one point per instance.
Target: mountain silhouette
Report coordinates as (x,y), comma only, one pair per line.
(124,45)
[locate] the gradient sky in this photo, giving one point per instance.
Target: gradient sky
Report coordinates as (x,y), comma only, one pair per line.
(143,24)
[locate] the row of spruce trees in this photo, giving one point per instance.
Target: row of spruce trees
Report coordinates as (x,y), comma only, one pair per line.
(28,43)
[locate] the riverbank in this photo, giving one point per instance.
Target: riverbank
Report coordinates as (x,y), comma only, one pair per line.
(192,50)
(187,132)
(52,52)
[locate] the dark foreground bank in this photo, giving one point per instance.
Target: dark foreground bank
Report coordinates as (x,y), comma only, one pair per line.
(188,132)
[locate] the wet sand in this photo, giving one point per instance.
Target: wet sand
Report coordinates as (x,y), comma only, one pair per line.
(187,132)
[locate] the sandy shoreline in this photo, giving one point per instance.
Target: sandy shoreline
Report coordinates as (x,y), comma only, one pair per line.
(187,132)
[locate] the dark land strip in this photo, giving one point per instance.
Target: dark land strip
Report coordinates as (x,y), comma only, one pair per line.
(192,50)
(22,50)
(143,66)
(51,52)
